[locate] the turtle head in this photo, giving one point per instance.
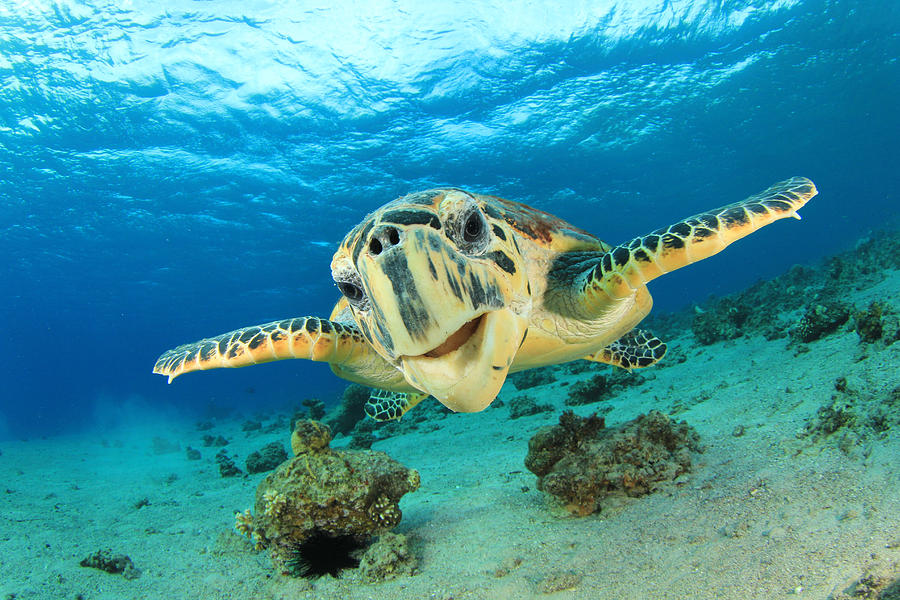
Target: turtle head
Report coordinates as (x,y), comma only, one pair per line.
(437,285)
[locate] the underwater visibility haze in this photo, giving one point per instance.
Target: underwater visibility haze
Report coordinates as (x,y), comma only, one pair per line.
(171,170)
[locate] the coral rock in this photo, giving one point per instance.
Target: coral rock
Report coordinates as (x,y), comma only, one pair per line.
(581,462)
(387,558)
(310,436)
(213,440)
(592,390)
(363,435)
(250,425)
(820,320)
(350,410)
(853,419)
(877,322)
(723,322)
(266,458)
(533,377)
(523,406)
(105,560)
(227,468)
(325,491)
(316,408)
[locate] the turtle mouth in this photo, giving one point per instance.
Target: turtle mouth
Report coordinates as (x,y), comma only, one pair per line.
(456,339)
(466,370)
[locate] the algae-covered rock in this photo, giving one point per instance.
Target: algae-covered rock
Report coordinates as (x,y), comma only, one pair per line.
(266,458)
(723,322)
(820,320)
(837,414)
(251,425)
(309,436)
(217,441)
(363,435)
(523,406)
(388,558)
(879,322)
(119,564)
(533,378)
(227,468)
(880,581)
(316,408)
(325,491)
(601,387)
(581,462)
(592,390)
(853,419)
(351,409)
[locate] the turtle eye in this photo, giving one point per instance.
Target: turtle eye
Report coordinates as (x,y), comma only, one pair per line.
(354,294)
(472,232)
(473,227)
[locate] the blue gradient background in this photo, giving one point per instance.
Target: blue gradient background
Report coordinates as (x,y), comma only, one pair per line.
(175,169)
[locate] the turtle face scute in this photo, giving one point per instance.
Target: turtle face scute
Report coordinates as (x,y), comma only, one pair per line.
(436,283)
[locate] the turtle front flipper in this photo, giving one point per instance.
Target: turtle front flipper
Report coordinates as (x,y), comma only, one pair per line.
(384,405)
(635,350)
(303,337)
(625,269)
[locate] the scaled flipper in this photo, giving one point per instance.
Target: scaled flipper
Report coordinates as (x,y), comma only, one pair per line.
(634,350)
(387,406)
(625,269)
(303,337)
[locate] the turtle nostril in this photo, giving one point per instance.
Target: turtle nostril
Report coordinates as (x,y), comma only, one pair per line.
(393,236)
(384,238)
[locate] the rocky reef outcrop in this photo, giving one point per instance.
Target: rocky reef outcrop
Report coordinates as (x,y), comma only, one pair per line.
(350,411)
(581,462)
(325,492)
(266,458)
(855,416)
(819,293)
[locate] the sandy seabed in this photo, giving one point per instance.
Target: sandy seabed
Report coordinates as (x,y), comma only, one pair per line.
(764,514)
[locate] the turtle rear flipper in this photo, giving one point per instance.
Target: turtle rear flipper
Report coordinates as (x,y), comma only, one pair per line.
(625,269)
(635,350)
(303,337)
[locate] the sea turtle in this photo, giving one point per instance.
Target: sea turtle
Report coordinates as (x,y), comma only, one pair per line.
(445,292)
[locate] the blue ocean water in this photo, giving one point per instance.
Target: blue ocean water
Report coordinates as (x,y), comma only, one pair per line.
(171,170)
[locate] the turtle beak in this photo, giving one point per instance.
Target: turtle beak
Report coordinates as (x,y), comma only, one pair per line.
(466,371)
